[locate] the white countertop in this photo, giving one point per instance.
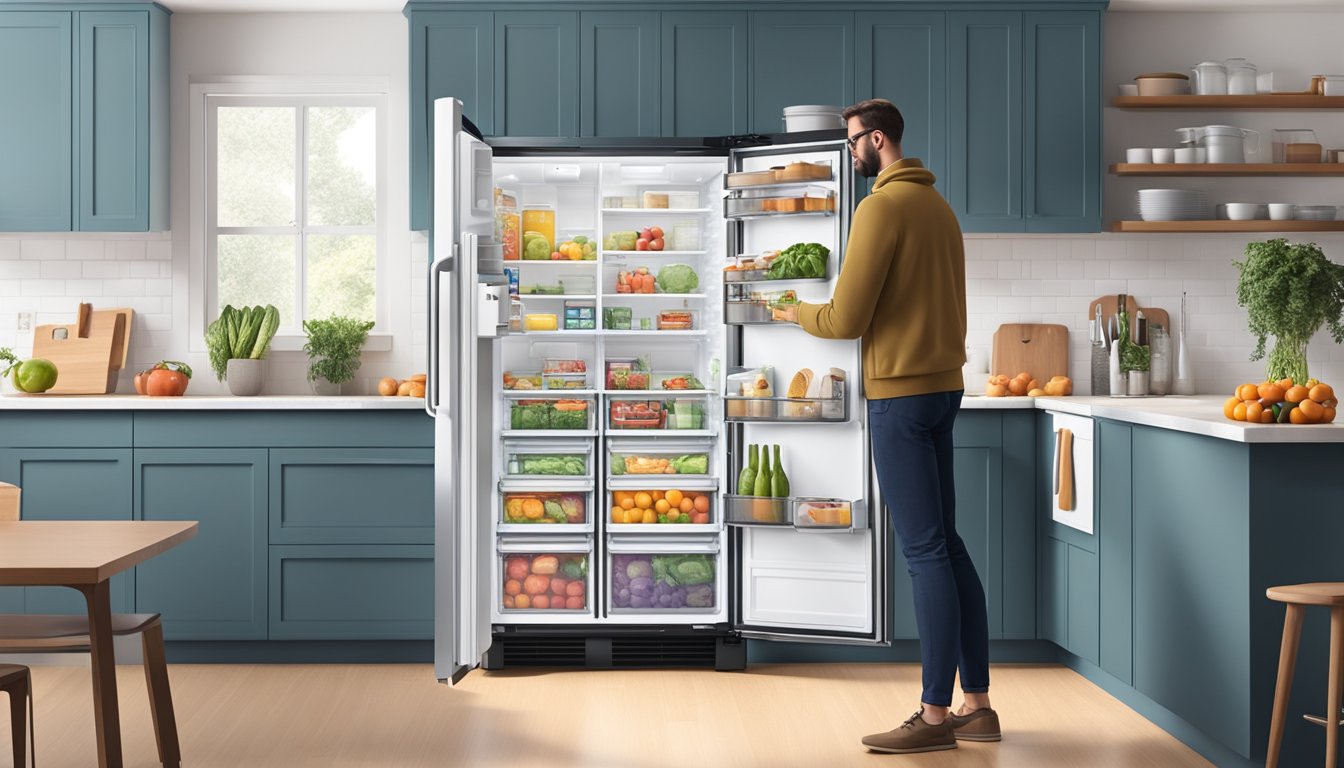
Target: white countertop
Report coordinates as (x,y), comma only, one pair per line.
(1196,414)
(11,401)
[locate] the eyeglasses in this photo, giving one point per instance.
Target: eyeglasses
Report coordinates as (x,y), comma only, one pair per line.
(853,141)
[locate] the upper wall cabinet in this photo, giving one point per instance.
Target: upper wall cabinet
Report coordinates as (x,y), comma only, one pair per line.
(704,73)
(618,71)
(985,188)
(799,58)
(86,94)
(901,57)
(536,72)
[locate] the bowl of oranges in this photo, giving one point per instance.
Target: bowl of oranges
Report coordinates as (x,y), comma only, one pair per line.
(1282,402)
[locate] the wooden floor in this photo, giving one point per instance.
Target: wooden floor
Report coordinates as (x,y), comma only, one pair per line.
(778,716)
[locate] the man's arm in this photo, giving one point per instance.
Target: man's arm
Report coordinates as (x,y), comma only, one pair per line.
(872,246)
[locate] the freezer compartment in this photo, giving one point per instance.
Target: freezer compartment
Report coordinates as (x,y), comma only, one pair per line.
(557,459)
(525,506)
(556,413)
(663,576)
(630,458)
(655,507)
(540,577)
(672,413)
(793,409)
(800,512)
(778,201)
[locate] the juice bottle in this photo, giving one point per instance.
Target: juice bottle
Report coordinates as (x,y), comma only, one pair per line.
(540,219)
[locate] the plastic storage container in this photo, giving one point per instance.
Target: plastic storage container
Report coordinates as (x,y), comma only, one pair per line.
(580,316)
(676,320)
(685,236)
(631,460)
(767,202)
(522,380)
(544,581)
(627,373)
(540,219)
(656,200)
(559,460)
(617,318)
(543,507)
(540,322)
(653,505)
(664,581)
(508,224)
(550,414)
(635,414)
(689,199)
(812,117)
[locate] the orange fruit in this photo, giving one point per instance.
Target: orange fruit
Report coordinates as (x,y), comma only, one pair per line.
(1232,402)
(621,496)
(1295,394)
(513,587)
(1253,411)
(1270,393)
(687,506)
(617,514)
(1327,415)
(702,504)
(522,601)
(1297,417)
(674,498)
(1239,411)
(627,503)
(1321,392)
(643,500)
(1018,386)
(1248,392)
(1267,416)
(650,516)
(661,506)
(634,515)
(1311,410)
(1285,383)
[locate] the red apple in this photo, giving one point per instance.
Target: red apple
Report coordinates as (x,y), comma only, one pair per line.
(642,244)
(557,256)
(656,244)
(655,233)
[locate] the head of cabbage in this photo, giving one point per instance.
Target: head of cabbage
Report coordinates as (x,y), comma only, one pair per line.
(678,278)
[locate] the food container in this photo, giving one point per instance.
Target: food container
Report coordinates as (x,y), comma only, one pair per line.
(744,275)
(540,322)
(742,312)
(749,179)
(1288,142)
(540,219)
(508,224)
(578,284)
(655,200)
(548,414)
(689,199)
(544,581)
(563,365)
(662,507)
(663,581)
(822,513)
(749,202)
(565,381)
(538,289)
(689,460)
(555,459)
(1163,84)
(677,381)
(611,201)
(676,320)
(635,414)
(627,373)
(577,245)
(756,510)
(580,316)
(543,508)
(522,380)
(684,413)
(812,117)
(685,236)
(1314,212)
(805,172)
(616,318)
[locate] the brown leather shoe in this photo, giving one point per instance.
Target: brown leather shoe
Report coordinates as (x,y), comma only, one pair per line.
(914,735)
(979,725)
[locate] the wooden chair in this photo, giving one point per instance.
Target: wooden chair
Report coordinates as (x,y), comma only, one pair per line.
(1298,597)
(34,633)
(18,683)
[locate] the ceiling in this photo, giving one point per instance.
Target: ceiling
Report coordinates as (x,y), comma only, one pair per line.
(395,6)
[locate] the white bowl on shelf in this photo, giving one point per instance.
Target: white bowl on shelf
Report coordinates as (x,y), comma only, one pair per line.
(1247,211)
(1314,212)
(1280,211)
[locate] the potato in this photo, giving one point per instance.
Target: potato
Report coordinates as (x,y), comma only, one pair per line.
(1024,376)
(404,388)
(996,390)
(387,386)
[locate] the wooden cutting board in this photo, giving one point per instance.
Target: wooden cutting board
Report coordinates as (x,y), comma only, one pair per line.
(1040,349)
(87,353)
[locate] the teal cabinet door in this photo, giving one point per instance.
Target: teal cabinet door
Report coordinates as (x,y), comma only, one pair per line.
(799,58)
(452,54)
(212,587)
(365,592)
(1062,122)
(618,70)
(985,120)
(70,484)
(1084,624)
(113,120)
(1053,607)
(536,74)
(1115,520)
(352,496)
(902,57)
(704,73)
(1018,591)
(36,87)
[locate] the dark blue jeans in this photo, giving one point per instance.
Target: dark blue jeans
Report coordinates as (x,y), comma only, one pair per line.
(912,449)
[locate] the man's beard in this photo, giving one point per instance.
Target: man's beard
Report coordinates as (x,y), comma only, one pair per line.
(866,164)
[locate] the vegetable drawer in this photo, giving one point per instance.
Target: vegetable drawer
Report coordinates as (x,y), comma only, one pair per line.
(685,507)
(559,459)
(545,505)
(553,414)
(543,579)
(680,576)
(631,460)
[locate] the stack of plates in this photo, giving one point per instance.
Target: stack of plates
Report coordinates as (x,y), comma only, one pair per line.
(1173,205)
(1314,212)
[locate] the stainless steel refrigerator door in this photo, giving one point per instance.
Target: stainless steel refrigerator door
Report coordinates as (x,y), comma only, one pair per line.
(790,583)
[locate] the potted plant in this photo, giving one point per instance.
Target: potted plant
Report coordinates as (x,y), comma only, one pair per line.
(1290,291)
(237,342)
(333,348)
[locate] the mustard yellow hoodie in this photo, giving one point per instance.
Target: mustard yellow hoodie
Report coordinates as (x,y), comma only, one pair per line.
(902,288)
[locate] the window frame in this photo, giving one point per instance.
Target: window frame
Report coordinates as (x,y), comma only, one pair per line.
(296,94)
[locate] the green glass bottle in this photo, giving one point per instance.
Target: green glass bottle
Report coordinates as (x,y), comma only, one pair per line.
(746,479)
(763,479)
(778,480)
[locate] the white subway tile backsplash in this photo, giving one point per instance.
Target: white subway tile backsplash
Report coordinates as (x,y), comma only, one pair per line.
(159,251)
(18,270)
(105,270)
(158,287)
(129,287)
(129,250)
(84,288)
(41,288)
(84,250)
(42,249)
(10,250)
(146,269)
(61,270)
(155,322)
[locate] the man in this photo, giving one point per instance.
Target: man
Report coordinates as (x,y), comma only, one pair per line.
(903,291)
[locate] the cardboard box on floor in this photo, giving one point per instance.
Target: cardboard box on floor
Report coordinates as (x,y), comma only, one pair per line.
(9,502)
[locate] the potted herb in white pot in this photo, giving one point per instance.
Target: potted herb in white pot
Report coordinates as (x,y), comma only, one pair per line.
(333,347)
(237,342)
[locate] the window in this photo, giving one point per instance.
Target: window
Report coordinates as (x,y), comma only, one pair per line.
(292,184)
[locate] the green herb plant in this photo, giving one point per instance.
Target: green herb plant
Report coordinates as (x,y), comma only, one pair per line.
(1289,292)
(240,334)
(1133,357)
(334,346)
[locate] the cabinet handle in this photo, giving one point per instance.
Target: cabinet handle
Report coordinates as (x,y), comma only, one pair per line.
(1055,492)
(1066,493)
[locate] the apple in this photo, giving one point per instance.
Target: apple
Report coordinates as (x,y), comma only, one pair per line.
(647,233)
(655,233)
(656,244)
(557,256)
(642,244)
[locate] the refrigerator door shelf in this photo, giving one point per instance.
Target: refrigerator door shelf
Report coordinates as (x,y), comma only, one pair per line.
(805,514)
(792,410)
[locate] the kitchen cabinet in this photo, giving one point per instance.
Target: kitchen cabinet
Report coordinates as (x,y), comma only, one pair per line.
(536,73)
(91,152)
(985,120)
(901,56)
(799,58)
(1115,547)
(350,496)
(1069,570)
(356,592)
(704,73)
(618,70)
(214,586)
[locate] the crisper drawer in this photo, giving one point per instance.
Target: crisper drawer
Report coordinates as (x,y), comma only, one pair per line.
(633,459)
(549,414)
(682,412)
(804,513)
(665,575)
(659,506)
(561,459)
(545,506)
(541,577)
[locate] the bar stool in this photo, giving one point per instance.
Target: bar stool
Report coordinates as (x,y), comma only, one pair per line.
(1298,597)
(18,683)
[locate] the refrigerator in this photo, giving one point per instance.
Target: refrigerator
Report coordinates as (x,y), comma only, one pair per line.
(600,333)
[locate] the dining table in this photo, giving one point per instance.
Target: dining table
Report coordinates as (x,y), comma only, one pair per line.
(85,555)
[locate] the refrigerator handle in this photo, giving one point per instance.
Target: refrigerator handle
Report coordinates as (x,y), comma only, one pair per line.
(444,266)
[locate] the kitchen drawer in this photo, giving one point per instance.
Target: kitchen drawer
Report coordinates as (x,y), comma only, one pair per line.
(283,429)
(352,496)
(356,592)
(65,429)
(1081,517)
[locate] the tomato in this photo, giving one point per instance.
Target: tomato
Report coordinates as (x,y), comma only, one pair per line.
(166,379)
(140,380)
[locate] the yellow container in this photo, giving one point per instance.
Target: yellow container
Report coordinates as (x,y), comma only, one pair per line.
(540,219)
(539,322)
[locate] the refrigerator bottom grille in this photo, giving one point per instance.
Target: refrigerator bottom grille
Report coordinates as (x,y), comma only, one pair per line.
(621,650)
(543,651)
(663,652)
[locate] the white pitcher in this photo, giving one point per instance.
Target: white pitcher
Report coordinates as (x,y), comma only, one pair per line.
(1226,143)
(1240,77)
(1210,79)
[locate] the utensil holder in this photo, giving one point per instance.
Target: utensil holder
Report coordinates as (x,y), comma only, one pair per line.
(1136,383)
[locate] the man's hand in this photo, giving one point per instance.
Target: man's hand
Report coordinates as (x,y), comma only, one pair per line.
(785,314)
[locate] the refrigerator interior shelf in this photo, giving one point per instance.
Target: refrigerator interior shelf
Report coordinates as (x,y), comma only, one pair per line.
(758,276)
(803,513)
(628,254)
(548,433)
(537,394)
(570,263)
(651,332)
(789,410)
(658,210)
(690,296)
(775,214)
(636,433)
(663,529)
(530,297)
(638,393)
(796,183)
(554,334)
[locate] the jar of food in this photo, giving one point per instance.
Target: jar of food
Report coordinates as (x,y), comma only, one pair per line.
(508,224)
(540,219)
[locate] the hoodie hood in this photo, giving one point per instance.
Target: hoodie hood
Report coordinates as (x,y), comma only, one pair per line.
(908,169)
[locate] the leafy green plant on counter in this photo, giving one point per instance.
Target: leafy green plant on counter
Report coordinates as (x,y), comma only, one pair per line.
(334,346)
(1289,292)
(240,334)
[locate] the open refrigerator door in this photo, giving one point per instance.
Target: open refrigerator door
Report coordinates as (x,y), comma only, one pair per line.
(809,553)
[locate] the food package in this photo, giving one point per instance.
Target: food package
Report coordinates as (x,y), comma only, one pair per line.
(620,241)
(539,322)
(655,200)
(675,320)
(636,414)
(627,373)
(563,365)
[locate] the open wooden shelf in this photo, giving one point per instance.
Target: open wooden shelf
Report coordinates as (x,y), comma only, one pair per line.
(1258,225)
(1258,101)
(1228,169)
